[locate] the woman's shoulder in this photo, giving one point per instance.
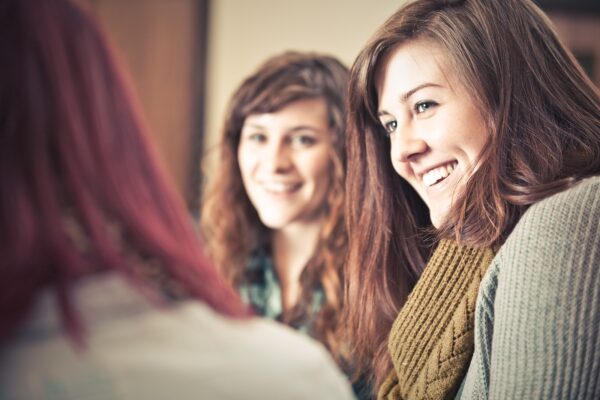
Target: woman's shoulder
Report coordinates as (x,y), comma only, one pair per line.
(554,235)
(538,302)
(174,352)
(582,196)
(566,213)
(281,356)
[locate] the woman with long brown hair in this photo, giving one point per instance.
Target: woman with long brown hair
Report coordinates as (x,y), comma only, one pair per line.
(474,143)
(272,218)
(104,289)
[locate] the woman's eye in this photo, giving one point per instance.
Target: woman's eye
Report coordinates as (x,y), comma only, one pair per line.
(256,137)
(303,141)
(423,106)
(390,126)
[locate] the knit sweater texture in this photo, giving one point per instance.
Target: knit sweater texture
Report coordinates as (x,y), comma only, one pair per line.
(431,341)
(537,320)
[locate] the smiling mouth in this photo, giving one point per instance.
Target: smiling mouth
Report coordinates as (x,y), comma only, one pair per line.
(280,187)
(438,174)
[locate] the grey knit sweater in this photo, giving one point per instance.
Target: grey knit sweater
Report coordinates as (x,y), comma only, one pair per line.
(537,321)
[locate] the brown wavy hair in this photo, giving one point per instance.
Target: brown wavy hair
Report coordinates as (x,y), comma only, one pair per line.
(543,113)
(231,227)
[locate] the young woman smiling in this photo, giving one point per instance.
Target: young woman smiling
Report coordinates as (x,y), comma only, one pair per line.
(273,214)
(470,120)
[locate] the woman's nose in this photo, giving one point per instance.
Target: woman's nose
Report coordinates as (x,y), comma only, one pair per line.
(406,144)
(278,159)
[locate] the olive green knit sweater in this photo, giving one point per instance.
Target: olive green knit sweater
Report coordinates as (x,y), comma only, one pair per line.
(431,341)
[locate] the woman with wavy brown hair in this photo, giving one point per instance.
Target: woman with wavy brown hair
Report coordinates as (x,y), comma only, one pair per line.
(272,217)
(473,143)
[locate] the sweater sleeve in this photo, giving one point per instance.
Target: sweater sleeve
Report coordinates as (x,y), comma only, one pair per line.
(546,334)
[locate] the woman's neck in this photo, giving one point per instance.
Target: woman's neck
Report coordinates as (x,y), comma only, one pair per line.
(292,248)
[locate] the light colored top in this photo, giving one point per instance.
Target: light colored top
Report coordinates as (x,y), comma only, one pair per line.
(261,289)
(537,322)
(135,351)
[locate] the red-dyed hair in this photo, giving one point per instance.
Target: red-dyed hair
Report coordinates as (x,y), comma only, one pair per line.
(72,143)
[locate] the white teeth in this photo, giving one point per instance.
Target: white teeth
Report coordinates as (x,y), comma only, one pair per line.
(278,187)
(435,175)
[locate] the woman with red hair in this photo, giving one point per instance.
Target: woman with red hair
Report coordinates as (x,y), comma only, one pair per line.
(94,241)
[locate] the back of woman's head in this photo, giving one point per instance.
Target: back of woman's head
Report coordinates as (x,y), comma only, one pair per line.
(230,223)
(540,108)
(80,187)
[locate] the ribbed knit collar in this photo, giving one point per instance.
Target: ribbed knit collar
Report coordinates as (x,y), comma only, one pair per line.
(431,341)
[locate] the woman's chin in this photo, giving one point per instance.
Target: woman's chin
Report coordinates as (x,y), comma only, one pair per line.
(438,219)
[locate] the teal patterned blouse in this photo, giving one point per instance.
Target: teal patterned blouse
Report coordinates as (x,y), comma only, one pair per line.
(262,291)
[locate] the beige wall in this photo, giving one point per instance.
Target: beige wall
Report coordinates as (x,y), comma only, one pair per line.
(245,32)
(158,39)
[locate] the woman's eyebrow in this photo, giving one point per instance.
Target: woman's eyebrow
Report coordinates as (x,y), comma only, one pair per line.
(253,126)
(302,128)
(404,97)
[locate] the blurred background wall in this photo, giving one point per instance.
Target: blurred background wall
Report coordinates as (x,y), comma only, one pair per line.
(163,46)
(186,57)
(244,33)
